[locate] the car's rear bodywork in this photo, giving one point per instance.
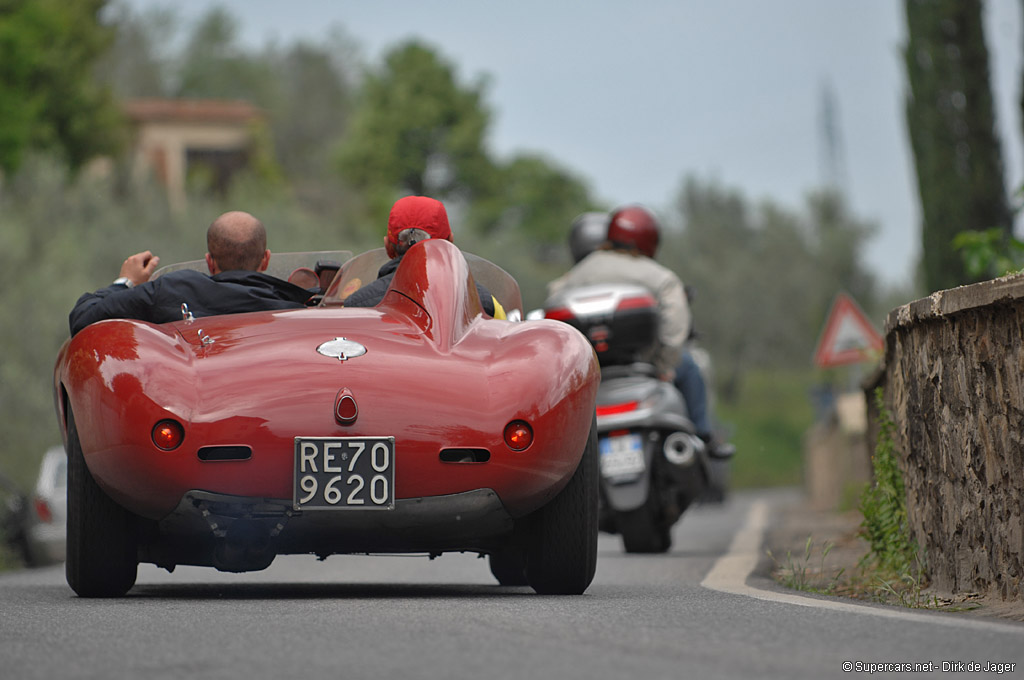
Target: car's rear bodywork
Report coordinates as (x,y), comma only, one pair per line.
(425,370)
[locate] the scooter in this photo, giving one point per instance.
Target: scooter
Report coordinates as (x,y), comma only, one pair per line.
(653,465)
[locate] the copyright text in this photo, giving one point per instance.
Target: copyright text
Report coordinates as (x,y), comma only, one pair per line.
(871,667)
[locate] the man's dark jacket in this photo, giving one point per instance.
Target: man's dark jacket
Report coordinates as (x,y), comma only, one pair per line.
(159,300)
(372,293)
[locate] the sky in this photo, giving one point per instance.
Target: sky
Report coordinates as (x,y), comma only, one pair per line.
(635,96)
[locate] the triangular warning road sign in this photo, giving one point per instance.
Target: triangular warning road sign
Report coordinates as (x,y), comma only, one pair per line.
(848,337)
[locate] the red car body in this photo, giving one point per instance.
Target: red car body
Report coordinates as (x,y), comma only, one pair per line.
(425,369)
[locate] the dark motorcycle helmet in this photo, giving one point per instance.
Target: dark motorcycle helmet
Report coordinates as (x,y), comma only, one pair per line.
(634,226)
(587,232)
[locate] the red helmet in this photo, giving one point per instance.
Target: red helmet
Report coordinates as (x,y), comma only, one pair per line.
(634,226)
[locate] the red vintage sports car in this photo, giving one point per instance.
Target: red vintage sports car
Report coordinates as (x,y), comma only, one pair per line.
(421,425)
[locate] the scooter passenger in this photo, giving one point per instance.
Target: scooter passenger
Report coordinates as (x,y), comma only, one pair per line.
(626,255)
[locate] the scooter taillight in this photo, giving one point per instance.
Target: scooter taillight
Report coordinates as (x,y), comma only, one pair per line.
(636,302)
(615,409)
(558,314)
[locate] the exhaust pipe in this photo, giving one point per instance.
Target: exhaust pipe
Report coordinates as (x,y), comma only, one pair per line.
(681,448)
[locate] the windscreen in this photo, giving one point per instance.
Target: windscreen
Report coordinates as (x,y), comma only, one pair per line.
(363,269)
(282,265)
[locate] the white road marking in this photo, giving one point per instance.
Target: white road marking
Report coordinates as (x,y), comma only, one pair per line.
(730,573)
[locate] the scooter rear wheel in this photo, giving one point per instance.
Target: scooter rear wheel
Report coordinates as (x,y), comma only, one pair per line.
(644,530)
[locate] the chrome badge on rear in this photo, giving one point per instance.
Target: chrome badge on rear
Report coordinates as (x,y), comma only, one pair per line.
(341,349)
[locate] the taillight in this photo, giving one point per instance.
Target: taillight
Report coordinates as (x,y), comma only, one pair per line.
(558,314)
(518,435)
(614,409)
(43,510)
(168,435)
(636,302)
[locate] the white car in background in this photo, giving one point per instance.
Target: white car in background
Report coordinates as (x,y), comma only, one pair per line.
(46,516)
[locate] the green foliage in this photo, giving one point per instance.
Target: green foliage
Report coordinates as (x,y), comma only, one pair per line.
(884,506)
(990,253)
(48,97)
(214,67)
(951,123)
(409,127)
(8,559)
(137,62)
(802,574)
(417,130)
(767,424)
(304,90)
(765,276)
(536,198)
(311,109)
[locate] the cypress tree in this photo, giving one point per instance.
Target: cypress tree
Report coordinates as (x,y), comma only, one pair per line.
(951,121)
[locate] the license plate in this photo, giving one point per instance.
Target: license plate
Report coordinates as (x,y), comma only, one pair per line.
(344,473)
(622,455)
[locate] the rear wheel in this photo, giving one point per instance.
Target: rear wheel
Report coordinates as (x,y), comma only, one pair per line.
(561,554)
(102,559)
(645,530)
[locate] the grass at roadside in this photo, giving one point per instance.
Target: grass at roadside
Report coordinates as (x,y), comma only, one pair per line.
(767,423)
(8,560)
(866,554)
(830,561)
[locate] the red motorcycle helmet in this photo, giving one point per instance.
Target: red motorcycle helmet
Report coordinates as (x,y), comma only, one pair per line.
(634,226)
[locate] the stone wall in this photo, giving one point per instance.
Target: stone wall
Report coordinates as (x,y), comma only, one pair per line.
(954,382)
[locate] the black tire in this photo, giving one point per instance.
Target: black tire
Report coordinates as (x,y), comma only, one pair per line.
(561,552)
(102,549)
(644,530)
(509,566)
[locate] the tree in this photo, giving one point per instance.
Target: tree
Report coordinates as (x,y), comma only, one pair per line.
(764,276)
(416,130)
(137,62)
(49,98)
(303,89)
(534,197)
(310,115)
(837,240)
(214,66)
(952,132)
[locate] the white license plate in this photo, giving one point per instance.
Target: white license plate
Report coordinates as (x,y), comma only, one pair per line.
(344,473)
(622,455)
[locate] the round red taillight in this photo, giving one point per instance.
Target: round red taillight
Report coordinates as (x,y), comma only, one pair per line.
(518,435)
(168,435)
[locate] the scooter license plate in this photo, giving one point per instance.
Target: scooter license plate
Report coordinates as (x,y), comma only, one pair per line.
(622,455)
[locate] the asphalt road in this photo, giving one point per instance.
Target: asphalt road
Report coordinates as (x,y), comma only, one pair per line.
(688,614)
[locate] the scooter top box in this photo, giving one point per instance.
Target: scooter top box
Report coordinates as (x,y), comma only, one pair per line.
(621,321)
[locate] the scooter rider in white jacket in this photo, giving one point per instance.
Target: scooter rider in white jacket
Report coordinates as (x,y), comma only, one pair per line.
(627,256)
